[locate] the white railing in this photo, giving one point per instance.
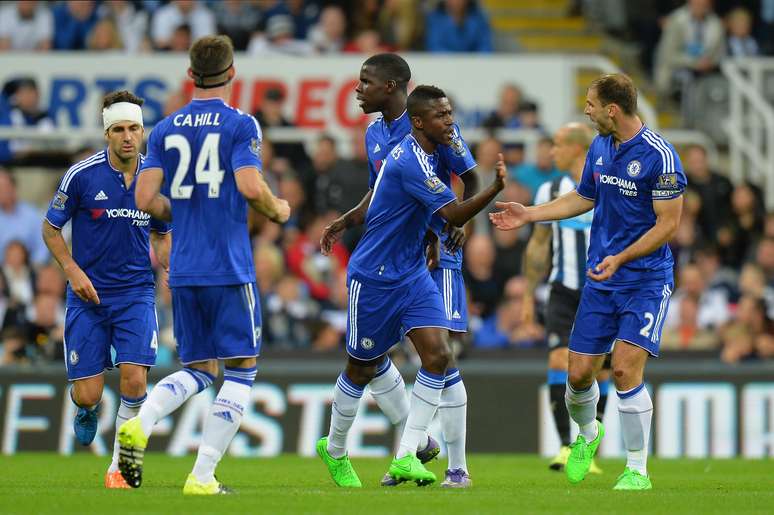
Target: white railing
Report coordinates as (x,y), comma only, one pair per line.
(750,125)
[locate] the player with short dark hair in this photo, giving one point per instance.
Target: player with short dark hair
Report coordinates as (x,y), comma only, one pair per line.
(634,181)
(561,247)
(391,293)
(110,292)
(383,88)
(206,159)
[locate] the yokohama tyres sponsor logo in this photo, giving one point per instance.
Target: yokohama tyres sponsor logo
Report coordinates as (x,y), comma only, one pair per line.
(139,218)
(625,186)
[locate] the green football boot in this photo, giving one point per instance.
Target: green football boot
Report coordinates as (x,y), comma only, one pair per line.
(632,480)
(341,469)
(582,454)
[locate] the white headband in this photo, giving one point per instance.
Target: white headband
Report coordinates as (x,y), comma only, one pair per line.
(121,112)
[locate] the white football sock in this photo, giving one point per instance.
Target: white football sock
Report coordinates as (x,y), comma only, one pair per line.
(127,409)
(170,393)
(453,412)
(223,420)
(636,410)
(582,407)
(389,391)
(346,400)
(425,399)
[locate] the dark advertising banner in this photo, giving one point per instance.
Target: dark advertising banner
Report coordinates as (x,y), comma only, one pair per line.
(710,411)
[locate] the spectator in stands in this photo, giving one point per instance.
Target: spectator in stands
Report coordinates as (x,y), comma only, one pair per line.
(46,328)
(25,26)
(19,221)
(514,154)
(764,258)
(290,314)
(270,114)
(740,42)
(458,26)
(714,191)
(509,249)
(291,188)
(486,158)
(505,327)
(25,111)
(181,39)
(507,112)
(740,233)
(529,116)
(50,281)
(278,39)
(14,346)
(181,12)
(692,44)
(306,262)
(305,14)
(333,316)
(687,334)
(752,283)
(750,330)
(716,276)
(713,310)
(328,177)
(329,34)
(478,271)
(401,24)
(366,42)
(237,20)
(104,37)
(132,24)
(765,26)
(19,279)
(532,175)
(73,21)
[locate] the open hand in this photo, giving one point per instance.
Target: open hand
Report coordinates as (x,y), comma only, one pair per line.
(512,215)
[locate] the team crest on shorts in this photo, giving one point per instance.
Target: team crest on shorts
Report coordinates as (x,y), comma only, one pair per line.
(633,168)
(74,358)
(367,343)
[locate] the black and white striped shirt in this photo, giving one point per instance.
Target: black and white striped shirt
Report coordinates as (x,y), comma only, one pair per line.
(570,239)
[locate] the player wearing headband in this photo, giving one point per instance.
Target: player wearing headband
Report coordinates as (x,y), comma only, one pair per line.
(110,291)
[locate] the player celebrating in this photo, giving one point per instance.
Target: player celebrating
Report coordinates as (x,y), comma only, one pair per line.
(207,156)
(391,293)
(634,181)
(383,82)
(569,239)
(110,296)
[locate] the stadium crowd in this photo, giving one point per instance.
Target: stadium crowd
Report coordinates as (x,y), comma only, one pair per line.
(724,249)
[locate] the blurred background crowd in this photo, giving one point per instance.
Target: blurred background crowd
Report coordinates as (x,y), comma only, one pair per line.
(724,249)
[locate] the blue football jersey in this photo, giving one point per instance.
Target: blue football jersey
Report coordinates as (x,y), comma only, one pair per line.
(381,137)
(110,236)
(623,183)
(199,148)
(406,193)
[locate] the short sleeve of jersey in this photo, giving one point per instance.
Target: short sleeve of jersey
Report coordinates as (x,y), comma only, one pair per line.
(587,188)
(155,151)
(542,196)
(425,187)
(247,144)
(668,179)
(160,226)
(457,156)
(65,202)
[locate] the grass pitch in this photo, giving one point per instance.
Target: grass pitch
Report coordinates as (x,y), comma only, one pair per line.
(50,483)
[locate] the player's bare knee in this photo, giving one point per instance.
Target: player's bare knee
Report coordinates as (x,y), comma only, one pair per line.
(580,377)
(133,386)
(209,366)
(360,375)
(438,359)
(87,395)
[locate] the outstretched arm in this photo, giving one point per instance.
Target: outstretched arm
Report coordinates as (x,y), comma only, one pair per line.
(513,215)
(458,213)
(147,195)
(667,219)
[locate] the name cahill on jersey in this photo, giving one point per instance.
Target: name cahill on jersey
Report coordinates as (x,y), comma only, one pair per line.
(196,120)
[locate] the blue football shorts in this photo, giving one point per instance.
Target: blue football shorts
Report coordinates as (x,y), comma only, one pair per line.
(379,318)
(216,322)
(452,287)
(130,328)
(635,316)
